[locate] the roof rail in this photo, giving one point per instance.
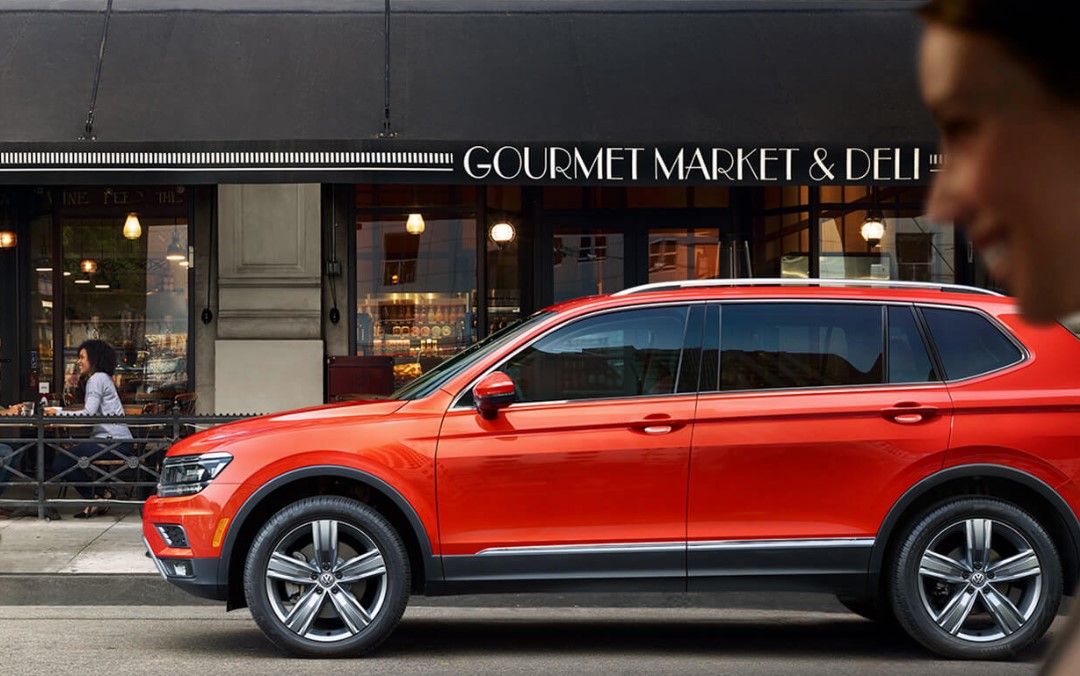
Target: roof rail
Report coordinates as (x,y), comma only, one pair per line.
(799,281)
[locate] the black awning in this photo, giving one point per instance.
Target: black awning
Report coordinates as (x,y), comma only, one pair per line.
(462,72)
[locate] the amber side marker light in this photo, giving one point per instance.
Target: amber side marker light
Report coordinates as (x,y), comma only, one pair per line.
(219,534)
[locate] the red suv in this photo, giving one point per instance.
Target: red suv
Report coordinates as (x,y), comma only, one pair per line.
(911,448)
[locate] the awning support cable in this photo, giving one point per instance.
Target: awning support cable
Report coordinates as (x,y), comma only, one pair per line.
(387,132)
(89,135)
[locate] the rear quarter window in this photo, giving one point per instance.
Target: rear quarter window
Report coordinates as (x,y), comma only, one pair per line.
(968,343)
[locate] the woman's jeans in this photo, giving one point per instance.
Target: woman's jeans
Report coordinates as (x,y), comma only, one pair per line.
(6,452)
(63,461)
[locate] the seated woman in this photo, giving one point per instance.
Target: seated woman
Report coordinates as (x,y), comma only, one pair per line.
(96,361)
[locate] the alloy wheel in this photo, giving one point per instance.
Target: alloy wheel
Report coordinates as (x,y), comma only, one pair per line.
(326,580)
(980,580)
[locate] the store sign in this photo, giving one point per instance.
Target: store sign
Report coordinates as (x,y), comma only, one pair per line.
(696,164)
(448,162)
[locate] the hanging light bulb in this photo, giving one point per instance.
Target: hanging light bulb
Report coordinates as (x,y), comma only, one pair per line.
(8,239)
(132,227)
(88,266)
(415,224)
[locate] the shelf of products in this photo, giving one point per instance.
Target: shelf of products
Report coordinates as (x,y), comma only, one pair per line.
(418,330)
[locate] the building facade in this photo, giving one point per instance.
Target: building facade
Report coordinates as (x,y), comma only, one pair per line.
(332,197)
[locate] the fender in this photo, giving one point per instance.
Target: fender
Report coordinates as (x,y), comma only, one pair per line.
(885,532)
(431,565)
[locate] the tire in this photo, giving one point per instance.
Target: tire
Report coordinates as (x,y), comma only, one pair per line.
(327,577)
(964,600)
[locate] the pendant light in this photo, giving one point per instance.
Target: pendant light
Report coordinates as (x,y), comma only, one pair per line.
(132,227)
(415,223)
(175,252)
(502,233)
(873,228)
(8,239)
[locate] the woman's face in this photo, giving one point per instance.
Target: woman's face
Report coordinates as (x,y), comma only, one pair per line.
(83,362)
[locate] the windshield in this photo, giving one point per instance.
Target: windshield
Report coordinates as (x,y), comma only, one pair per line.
(433,379)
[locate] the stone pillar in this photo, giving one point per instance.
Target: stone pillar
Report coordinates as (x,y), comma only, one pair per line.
(268,355)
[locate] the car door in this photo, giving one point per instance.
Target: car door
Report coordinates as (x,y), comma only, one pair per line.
(581,482)
(815,426)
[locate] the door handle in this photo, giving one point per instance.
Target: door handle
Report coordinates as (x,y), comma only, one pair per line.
(656,429)
(909,414)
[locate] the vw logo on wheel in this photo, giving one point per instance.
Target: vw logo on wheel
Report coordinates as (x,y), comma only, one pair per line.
(978,579)
(326,580)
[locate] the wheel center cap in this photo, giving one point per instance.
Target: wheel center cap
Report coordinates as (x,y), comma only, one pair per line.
(978,579)
(327,580)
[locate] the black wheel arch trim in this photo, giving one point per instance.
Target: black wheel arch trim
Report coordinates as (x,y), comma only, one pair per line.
(898,510)
(432,567)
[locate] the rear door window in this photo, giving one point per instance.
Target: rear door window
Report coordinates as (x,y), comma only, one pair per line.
(968,343)
(909,362)
(797,345)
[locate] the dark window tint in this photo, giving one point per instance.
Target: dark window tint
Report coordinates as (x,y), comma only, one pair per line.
(781,345)
(908,359)
(622,354)
(968,343)
(691,356)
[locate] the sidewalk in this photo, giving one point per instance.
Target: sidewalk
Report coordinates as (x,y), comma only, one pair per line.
(97,561)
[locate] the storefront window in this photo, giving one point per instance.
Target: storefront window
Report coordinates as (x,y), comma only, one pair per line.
(587,262)
(676,255)
(907,246)
(415,290)
(129,289)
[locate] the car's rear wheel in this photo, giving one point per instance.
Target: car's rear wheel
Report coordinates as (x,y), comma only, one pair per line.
(976,578)
(327,577)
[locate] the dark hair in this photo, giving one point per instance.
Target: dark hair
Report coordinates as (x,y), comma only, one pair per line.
(1038,34)
(101,356)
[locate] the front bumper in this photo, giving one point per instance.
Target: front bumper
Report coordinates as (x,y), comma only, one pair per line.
(202,577)
(200,572)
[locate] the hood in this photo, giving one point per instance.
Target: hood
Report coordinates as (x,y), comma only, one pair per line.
(315,416)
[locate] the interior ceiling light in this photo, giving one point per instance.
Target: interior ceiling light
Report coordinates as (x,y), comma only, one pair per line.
(82,278)
(415,224)
(502,233)
(873,229)
(132,227)
(175,252)
(88,266)
(43,264)
(8,239)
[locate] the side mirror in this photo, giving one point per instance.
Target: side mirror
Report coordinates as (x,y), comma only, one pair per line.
(494,391)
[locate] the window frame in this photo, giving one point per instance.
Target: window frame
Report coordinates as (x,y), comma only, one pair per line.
(457,404)
(1025,354)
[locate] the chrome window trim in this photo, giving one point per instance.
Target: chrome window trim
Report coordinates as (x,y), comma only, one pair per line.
(456,405)
(708,545)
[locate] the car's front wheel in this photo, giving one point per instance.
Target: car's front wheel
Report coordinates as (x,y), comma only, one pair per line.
(327,577)
(976,578)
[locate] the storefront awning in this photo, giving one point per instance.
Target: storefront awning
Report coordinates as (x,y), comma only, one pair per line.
(253,77)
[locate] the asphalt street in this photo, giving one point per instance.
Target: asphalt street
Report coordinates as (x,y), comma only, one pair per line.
(191,640)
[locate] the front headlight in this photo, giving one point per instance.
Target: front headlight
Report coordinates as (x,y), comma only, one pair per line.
(189,474)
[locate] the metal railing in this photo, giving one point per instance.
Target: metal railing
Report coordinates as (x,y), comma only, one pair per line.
(128,469)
